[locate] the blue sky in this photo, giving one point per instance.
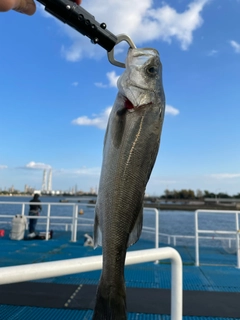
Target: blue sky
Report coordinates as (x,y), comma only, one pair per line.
(56,90)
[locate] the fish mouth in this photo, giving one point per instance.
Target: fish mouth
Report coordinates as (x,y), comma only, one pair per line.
(129,107)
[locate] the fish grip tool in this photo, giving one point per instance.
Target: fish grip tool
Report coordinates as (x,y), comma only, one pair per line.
(81,20)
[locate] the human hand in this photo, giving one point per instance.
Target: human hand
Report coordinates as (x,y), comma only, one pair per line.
(24,6)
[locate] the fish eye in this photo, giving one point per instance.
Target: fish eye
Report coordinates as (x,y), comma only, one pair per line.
(152,70)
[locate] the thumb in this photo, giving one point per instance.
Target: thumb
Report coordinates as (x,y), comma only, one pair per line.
(26,6)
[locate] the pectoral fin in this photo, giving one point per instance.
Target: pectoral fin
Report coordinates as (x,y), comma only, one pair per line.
(97,236)
(137,229)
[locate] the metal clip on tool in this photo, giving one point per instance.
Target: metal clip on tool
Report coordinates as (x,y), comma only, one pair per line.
(75,16)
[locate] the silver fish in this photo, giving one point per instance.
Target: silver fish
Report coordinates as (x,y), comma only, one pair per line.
(130,149)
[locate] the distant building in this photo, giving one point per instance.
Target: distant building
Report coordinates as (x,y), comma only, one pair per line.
(93,191)
(28,189)
(49,182)
(44,180)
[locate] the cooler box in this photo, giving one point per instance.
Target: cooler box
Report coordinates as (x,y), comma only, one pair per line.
(19,224)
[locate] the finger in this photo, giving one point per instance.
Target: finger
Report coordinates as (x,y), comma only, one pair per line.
(26,6)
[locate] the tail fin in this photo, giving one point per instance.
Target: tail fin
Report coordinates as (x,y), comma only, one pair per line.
(110,303)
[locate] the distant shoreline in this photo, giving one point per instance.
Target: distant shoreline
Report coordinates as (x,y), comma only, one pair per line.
(184,206)
(189,207)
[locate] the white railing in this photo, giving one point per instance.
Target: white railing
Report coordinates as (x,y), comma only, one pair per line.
(67,226)
(75,220)
(60,268)
(173,238)
(235,232)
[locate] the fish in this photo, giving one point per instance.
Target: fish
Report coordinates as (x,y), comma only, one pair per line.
(131,146)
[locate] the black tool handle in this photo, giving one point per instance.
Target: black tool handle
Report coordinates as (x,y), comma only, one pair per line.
(81,20)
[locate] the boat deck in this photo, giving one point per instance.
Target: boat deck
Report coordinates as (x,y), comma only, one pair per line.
(216,280)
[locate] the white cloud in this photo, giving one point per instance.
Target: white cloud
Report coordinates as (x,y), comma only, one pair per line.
(235,45)
(75,84)
(88,171)
(225,175)
(100,85)
(95,171)
(2,167)
(99,121)
(37,165)
(112,80)
(171,110)
(166,23)
(212,53)
(141,20)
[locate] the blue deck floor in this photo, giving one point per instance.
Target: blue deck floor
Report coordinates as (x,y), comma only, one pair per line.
(221,275)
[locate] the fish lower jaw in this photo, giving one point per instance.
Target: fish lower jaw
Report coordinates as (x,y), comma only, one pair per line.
(135,108)
(132,106)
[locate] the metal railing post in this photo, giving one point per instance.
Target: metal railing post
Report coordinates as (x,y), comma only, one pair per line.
(174,241)
(157,228)
(196,240)
(23,213)
(75,223)
(169,240)
(176,288)
(48,220)
(237,241)
(23,209)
